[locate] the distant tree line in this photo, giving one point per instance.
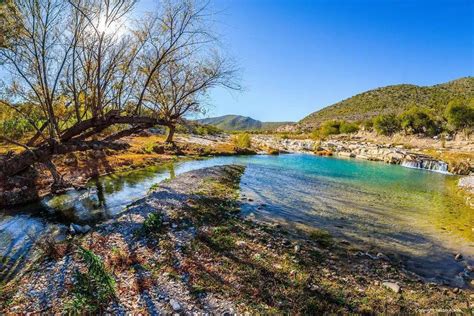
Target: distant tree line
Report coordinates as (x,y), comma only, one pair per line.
(457,117)
(83,73)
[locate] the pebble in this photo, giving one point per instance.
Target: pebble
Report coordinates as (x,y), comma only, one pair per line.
(297,248)
(175,305)
(392,286)
(458,257)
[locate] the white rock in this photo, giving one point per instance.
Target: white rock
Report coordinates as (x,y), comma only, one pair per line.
(392,286)
(175,305)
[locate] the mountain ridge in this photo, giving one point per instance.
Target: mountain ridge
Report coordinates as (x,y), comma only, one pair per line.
(239,123)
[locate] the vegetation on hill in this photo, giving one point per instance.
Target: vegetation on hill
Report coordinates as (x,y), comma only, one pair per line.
(393,100)
(239,123)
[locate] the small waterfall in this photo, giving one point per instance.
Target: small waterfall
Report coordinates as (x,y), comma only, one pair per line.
(426,164)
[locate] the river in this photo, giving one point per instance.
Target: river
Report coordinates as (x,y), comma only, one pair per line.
(411,215)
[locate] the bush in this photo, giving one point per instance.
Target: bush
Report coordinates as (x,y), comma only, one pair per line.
(348,127)
(368,125)
(15,128)
(418,121)
(206,130)
(94,288)
(329,128)
(334,128)
(242,141)
(460,114)
(152,225)
(386,124)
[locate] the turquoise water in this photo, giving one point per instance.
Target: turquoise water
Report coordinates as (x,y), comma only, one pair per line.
(411,215)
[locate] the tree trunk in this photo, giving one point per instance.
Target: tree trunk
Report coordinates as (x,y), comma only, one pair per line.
(171,130)
(43,154)
(59,184)
(73,139)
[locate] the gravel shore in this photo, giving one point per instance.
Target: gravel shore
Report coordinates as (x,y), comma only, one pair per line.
(186,249)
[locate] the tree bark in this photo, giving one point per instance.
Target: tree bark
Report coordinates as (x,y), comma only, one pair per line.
(44,153)
(171,130)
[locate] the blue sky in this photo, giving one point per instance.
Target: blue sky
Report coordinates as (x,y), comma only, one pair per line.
(298,56)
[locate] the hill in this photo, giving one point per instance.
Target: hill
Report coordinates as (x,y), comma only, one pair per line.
(392,99)
(239,123)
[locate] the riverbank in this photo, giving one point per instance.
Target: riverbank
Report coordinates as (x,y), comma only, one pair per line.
(185,248)
(133,152)
(147,149)
(354,147)
(455,156)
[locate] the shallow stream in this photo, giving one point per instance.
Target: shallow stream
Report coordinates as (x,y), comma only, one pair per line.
(411,215)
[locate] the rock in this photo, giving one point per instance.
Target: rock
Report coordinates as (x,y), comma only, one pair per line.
(297,248)
(458,257)
(382,256)
(78,229)
(470,268)
(175,305)
(346,154)
(392,286)
(59,234)
(240,243)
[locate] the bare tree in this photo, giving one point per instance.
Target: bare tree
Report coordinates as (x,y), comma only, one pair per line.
(181,87)
(84,69)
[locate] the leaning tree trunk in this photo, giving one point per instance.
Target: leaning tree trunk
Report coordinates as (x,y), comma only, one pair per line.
(73,139)
(171,130)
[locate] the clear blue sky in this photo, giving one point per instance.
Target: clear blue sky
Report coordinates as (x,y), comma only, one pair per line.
(298,56)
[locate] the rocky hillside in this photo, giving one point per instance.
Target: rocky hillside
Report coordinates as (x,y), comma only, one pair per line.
(239,123)
(392,99)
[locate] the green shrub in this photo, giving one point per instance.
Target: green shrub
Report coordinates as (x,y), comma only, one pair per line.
(15,128)
(322,237)
(368,125)
(242,140)
(460,114)
(386,124)
(330,128)
(348,127)
(206,130)
(152,225)
(418,121)
(94,288)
